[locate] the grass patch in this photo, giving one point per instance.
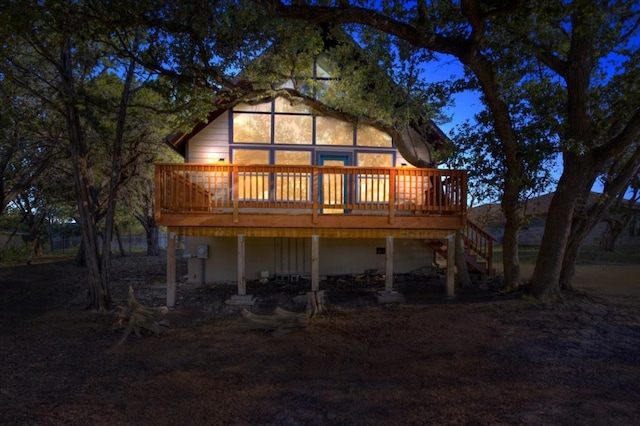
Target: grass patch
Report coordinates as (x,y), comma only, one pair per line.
(587,256)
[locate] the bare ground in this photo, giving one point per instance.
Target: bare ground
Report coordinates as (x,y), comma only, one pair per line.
(483,358)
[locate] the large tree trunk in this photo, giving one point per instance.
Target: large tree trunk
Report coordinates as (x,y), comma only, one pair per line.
(514,217)
(99,296)
(115,178)
(569,260)
(581,224)
(546,275)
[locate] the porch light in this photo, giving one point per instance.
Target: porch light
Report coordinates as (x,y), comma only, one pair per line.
(221,160)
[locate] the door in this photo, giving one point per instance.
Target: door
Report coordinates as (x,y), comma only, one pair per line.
(333,186)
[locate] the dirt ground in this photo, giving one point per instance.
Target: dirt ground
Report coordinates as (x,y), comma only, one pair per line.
(482,358)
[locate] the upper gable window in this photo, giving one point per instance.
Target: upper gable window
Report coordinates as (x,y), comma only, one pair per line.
(330,131)
(251,128)
(293,129)
(370,136)
(283,105)
(263,107)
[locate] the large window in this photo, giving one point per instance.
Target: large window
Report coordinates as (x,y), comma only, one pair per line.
(370,136)
(285,123)
(293,129)
(293,184)
(254,185)
(252,128)
(330,131)
(369,159)
(372,187)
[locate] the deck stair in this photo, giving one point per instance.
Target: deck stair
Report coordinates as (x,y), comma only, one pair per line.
(478,246)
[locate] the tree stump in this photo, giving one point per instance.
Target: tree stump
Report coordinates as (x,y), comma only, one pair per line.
(136,317)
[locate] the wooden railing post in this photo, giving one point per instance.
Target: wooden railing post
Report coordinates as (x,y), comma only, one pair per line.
(392,195)
(315,191)
(235,191)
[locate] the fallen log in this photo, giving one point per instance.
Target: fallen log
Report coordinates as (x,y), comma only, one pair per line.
(279,323)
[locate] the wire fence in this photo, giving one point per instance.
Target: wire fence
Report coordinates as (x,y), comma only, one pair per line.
(130,242)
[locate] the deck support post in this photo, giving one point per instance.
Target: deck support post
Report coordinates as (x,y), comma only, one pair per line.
(389,295)
(388,278)
(171,270)
(451,265)
(315,262)
(242,298)
(242,281)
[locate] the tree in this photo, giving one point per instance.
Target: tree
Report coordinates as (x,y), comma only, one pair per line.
(461,32)
(27,141)
(67,48)
(569,42)
(620,214)
(616,182)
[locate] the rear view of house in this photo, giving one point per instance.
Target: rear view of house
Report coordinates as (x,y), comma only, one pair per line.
(273,188)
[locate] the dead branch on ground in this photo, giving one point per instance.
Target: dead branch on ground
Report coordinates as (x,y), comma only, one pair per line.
(137,317)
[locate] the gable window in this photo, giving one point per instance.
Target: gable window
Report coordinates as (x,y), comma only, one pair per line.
(330,131)
(252,128)
(370,136)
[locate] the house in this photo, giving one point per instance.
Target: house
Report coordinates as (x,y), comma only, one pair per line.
(276,189)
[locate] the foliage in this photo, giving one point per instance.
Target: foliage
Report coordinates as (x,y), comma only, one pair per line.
(543,69)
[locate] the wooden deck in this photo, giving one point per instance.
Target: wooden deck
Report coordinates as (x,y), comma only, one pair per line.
(310,199)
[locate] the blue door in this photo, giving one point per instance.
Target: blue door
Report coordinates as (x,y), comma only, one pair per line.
(333,186)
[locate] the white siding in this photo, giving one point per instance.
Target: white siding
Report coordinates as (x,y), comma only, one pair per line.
(338,256)
(211,143)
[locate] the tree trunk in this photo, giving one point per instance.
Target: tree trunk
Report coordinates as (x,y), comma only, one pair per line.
(115,178)
(611,233)
(514,217)
(153,243)
(546,275)
(119,240)
(569,261)
(462,276)
(80,259)
(99,297)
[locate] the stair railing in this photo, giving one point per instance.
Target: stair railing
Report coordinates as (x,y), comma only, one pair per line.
(479,242)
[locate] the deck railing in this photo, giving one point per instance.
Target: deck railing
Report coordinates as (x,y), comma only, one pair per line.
(317,190)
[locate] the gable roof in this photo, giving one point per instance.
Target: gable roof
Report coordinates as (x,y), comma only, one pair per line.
(430,136)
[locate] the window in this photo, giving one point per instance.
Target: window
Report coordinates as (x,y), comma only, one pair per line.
(251,128)
(330,131)
(283,105)
(368,159)
(252,185)
(293,157)
(293,129)
(372,187)
(294,184)
(370,136)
